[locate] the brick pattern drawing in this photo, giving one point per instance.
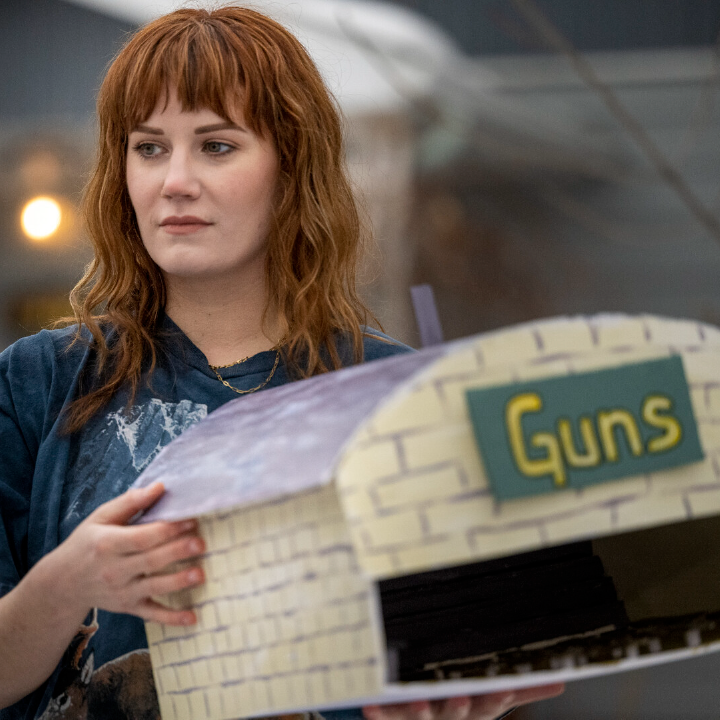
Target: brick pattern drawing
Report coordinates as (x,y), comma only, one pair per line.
(412,482)
(285,618)
(289,617)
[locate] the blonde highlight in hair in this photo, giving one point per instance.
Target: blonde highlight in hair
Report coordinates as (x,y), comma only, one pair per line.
(222,59)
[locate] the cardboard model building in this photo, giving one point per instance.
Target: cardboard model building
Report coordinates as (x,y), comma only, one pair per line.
(532,505)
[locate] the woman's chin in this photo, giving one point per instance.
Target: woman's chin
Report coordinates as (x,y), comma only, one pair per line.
(205,271)
(190,262)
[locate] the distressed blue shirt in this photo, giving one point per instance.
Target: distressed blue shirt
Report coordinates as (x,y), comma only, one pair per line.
(50,482)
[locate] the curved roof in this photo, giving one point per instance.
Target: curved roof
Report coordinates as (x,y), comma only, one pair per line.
(274,443)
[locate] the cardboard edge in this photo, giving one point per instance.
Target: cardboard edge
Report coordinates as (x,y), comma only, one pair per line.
(409,692)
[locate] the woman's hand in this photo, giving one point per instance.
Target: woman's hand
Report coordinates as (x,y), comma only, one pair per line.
(479,707)
(107,564)
(104,563)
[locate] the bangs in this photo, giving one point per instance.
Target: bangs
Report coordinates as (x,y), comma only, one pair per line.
(231,60)
(204,62)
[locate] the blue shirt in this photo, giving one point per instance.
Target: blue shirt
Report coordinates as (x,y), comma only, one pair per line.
(50,482)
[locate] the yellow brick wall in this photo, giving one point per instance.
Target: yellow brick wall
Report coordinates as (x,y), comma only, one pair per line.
(413,486)
(284,617)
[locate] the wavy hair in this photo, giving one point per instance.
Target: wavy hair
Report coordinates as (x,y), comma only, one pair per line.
(217,59)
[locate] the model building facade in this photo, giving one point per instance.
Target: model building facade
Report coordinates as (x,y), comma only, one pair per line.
(374,480)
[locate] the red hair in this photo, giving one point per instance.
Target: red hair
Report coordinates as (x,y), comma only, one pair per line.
(217,60)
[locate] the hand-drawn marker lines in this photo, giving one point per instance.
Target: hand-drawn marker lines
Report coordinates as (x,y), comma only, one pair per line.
(339,558)
(215,640)
(308,689)
(171,681)
(319,668)
(284,617)
(420,495)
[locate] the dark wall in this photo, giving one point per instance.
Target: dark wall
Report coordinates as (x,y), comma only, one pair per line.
(489,27)
(53,56)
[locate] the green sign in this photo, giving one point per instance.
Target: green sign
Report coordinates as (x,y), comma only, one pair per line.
(543,436)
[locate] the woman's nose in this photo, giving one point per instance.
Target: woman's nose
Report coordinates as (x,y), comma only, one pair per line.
(180,177)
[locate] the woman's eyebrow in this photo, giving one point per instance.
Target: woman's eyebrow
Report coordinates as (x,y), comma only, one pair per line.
(198,131)
(218,126)
(147,129)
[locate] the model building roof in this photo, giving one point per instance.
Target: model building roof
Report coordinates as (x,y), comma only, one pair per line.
(274,443)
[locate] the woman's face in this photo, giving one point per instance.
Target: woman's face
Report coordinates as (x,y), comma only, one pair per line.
(203,192)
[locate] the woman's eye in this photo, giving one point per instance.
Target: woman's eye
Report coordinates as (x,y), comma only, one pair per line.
(215,147)
(147,149)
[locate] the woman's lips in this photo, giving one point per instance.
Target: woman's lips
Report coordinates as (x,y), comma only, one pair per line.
(185,229)
(183,225)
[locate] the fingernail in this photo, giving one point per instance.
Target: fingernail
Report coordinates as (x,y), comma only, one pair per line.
(461,705)
(196,545)
(194,576)
(421,709)
(188,619)
(189,525)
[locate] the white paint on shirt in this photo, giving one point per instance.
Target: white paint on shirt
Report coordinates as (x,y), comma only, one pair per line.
(147,428)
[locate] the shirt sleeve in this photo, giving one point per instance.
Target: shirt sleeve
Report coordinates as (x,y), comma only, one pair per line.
(379,345)
(24,385)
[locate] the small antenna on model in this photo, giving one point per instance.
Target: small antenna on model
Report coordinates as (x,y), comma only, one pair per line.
(426,315)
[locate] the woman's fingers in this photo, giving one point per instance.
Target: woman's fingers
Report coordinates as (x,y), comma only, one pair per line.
(416,710)
(158,585)
(155,612)
(378,712)
(144,538)
(533,694)
(156,560)
(119,568)
(496,704)
(479,707)
(493,705)
(120,510)
(457,708)
(144,574)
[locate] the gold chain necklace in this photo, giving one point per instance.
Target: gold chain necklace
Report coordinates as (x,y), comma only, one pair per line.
(237,362)
(215,369)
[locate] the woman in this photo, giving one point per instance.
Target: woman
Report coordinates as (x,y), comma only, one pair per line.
(225,238)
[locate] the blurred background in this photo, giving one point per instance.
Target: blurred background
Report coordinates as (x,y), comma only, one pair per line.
(527,158)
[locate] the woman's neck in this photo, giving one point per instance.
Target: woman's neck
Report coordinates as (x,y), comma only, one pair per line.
(223,320)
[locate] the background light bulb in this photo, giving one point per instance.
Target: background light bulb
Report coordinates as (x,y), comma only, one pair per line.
(41,218)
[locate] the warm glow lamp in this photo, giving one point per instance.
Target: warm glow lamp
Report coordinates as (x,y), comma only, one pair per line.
(41,218)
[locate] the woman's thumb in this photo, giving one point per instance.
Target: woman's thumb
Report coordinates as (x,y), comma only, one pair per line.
(121,509)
